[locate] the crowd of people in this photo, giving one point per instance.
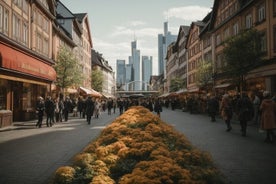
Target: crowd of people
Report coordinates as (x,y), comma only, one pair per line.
(259,109)
(57,110)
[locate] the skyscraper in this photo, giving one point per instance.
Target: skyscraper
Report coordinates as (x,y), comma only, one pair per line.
(146,71)
(164,40)
(121,72)
(135,58)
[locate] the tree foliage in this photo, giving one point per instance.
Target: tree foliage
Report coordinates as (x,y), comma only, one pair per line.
(241,54)
(97,80)
(68,71)
(176,84)
(204,74)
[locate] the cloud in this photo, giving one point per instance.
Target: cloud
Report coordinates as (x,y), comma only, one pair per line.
(188,13)
(138,32)
(137,23)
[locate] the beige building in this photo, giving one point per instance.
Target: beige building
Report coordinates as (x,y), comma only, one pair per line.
(171,66)
(84,48)
(109,82)
(26,61)
(31,33)
(229,18)
(194,48)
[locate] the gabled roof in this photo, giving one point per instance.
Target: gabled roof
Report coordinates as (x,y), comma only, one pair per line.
(80,16)
(200,25)
(97,59)
(185,29)
(207,20)
(242,4)
(83,19)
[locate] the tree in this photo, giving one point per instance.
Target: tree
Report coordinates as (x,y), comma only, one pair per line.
(67,68)
(176,84)
(241,53)
(97,80)
(204,74)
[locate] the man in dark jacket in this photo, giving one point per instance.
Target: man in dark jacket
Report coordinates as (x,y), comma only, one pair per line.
(89,109)
(50,111)
(245,112)
(213,107)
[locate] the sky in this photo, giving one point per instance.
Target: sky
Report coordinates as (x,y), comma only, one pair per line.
(114,24)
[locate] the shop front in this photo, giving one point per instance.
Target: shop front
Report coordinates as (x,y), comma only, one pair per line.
(23,77)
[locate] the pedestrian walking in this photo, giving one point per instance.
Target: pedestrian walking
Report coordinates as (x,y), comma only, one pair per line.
(40,107)
(67,108)
(97,108)
(80,106)
(245,112)
(109,106)
(114,106)
(50,111)
(120,103)
(57,110)
(212,107)
(89,109)
(157,107)
(268,116)
(256,105)
(226,111)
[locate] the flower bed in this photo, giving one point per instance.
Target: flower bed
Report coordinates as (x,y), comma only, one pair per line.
(139,148)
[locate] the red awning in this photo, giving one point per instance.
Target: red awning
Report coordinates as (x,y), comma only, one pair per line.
(15,60)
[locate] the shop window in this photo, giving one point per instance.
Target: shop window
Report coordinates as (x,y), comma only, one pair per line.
(3,94)
(263,42)
(274,38)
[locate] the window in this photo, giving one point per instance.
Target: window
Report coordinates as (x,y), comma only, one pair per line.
(226,33)
(25,36)
(248,21)
(263,47)
(274,8)
(45,46)
(1,18)
(39,42)
(218,40)
(6,22)
(235,29)
(46,25)
(16,27)
(274,38)
(261,13)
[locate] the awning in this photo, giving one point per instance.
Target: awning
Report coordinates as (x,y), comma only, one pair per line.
(223,85)
(19,61)
(90,92)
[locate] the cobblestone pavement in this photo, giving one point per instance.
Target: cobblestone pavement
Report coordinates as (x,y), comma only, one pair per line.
(30,155)
(242,160)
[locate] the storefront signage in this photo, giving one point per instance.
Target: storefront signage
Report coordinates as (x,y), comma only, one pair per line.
(19,61)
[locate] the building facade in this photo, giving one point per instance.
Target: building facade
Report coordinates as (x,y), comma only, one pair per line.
(26,61)
(229,19)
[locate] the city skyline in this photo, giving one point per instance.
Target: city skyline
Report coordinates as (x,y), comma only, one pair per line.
(115,24)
